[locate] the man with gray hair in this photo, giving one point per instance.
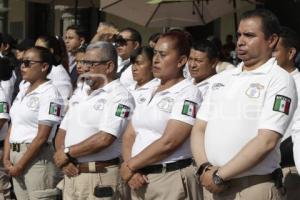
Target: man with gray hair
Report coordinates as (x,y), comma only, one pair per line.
(88,141)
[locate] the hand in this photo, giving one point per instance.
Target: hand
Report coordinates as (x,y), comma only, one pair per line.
(60,158)
(207,181)
(15,170)
(125,172)
(70,170)
(137,181)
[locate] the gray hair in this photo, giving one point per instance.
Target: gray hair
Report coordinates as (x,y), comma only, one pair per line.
(106,50)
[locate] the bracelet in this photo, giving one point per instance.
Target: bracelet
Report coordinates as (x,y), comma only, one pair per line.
(132,171)
(202,168)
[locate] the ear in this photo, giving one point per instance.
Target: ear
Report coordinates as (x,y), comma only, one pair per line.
(136,45)
(110,67)
(292,54)
(82,40)
(45,67)
(6,47)
(273,40)
(51,50)
(182,61)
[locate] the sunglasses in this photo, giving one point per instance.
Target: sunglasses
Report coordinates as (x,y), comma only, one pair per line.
(92,63)
(29,63)
(120,41)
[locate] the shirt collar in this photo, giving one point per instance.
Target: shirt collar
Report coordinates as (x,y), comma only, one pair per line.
(41,88)
(107,88)
(263,69)
(295,72)
(178,86)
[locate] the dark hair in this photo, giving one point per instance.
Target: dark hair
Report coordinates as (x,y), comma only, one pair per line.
(181,41)
(145,50)
(154,37)
(80,31)
(207,47)
(5,69)
(135,35)
(218,45)
(289,38)
(269,21)
(52,43)
(45,55)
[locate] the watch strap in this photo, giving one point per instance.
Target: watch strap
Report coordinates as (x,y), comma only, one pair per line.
(202,167)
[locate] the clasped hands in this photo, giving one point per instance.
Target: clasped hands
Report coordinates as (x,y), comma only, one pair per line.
(206,180)
(134,179)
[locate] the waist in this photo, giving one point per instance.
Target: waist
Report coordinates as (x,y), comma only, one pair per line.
(97,166)
(248,181)
(18,147)
(166,167)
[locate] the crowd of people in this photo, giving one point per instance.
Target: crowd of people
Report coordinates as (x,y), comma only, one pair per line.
(176,119)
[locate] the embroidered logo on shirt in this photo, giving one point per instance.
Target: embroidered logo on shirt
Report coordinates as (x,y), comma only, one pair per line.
(189,108)
(33,103)
(166,104)
(217,86)
(55,109)
(99,105)
(122,111)
(141,99)
(4,107)
(282,104)
(254,90)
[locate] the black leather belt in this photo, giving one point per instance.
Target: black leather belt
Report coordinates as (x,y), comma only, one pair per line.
(168,167)
(1,143)
(17,146)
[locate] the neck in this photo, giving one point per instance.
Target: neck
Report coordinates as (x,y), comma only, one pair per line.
(35,84)
(290,68)
(165,84)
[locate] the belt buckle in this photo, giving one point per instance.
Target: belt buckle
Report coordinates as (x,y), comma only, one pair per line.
(16,147)
(164,168)
(92,167)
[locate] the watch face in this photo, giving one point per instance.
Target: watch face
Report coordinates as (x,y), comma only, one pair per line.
(217,180)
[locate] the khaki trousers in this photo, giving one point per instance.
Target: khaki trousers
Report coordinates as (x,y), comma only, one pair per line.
(5,185)
(175,185)
(82,187)
(291,181)
(38,179)
(245,189)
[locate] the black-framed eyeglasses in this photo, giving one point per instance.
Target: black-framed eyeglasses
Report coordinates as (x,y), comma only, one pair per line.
(92,63)
(120,41)
(29,63)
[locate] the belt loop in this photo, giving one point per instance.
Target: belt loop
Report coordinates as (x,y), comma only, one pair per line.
(164,168)
(92,167)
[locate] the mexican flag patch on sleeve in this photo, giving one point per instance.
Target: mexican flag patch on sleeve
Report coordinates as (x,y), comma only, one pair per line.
(55,109)
(189,108)
(4,107)
(282,104)
(122,111)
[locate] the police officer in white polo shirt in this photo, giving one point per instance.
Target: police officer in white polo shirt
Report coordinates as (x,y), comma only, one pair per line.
(285,52)
(202,64)
(5,73)
(156,142)
(88,141)
(28,149)
(241,121)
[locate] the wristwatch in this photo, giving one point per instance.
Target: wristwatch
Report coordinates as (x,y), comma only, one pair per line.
(217,179)
(67,152)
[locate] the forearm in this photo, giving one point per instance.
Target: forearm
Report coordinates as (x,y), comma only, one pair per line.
(253,153)
(93,144)
(197,143)
(128,141)
(6,149)
(60,139)
(96,38)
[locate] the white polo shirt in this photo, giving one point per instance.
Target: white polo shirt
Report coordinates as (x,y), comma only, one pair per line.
(106,109)
(40,106)
(138,93)
(62,81)
(238,104)
(150,118)
(126,77)
(4,110)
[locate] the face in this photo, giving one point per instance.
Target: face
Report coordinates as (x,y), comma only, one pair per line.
(72,40)
(142,69)
(81,68)
(252,46)
(282,54)
(19,54)
(97,67)
(35,69)
(125,50)
(200,66)
(167,62)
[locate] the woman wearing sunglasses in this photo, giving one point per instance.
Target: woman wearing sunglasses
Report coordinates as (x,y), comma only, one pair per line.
(28,151)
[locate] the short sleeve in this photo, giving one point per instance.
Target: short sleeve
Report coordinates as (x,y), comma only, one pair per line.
(186,105)
(51,107)
(4,106)
(64,123)
(204,109)
(279,105)
(116,114)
